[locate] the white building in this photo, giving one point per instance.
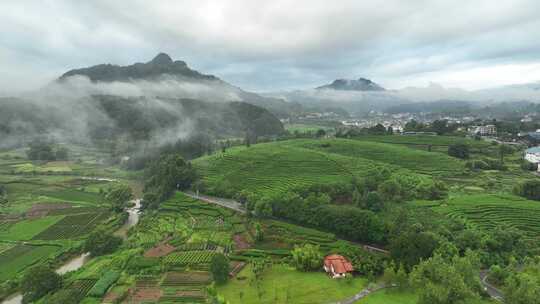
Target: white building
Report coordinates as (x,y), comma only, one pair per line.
(483,130)
(532,155)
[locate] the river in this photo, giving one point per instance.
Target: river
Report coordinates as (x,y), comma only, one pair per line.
(78,261)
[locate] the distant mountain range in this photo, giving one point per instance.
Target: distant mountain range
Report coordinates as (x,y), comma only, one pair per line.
(361,84)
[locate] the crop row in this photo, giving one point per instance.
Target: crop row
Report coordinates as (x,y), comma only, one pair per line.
(72,226)
(186,279)
(189,257)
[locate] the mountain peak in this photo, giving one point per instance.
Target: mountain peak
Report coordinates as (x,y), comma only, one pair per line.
(162,58)
(362,84)
(158,67)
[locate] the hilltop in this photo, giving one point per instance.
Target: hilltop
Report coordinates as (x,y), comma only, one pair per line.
(360,84)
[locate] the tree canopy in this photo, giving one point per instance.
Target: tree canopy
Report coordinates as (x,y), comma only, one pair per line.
(307,257)
(219,267)
(39,281)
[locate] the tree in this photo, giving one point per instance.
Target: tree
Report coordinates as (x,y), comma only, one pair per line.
(373,201)
(390,130)
(263,208)
(167,174)
(390,190)
(119,196)
(410,247)
(259,233)
(219,267)
(503,150)
(459,150)
(529,189)
(320,133)
(40,150)
(101,243)
(440,126)
(39,281)
(523,287)
(307,257)
(440,281)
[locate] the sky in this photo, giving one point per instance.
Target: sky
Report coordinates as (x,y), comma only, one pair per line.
(278,45)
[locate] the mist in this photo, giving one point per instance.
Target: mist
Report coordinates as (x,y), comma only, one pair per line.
(72,110)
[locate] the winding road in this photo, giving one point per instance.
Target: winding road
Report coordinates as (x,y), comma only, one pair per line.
(227,203)
(493,292)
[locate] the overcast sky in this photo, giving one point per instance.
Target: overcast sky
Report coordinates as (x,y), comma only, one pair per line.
(279,45)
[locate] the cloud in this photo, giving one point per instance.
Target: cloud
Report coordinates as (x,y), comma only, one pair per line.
(272,45)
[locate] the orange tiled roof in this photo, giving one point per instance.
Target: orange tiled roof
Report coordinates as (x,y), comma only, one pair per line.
(340,263)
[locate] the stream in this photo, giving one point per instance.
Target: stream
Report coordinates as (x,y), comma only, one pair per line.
(78,261)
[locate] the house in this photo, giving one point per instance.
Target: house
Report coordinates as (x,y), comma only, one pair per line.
(337,266)
(483,130)
(532,155)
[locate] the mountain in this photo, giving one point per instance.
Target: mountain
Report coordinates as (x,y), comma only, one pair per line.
(162,69)
(161,65)
(362,84)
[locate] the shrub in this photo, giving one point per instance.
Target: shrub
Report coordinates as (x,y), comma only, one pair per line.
(307,257)
(529,189)
(459,150)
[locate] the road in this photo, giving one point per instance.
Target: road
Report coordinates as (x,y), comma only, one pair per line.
(490,289)
(227,203)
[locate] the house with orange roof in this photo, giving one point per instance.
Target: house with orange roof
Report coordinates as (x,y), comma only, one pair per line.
(337,266)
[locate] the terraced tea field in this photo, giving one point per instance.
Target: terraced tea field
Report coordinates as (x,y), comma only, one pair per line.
(279,166)
(488,211)
(419,161)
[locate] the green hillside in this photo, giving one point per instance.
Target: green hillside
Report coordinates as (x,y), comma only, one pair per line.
(486,211)
(278,166)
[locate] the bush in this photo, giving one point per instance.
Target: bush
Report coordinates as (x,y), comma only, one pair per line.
(529,189)
(528,166)
(459,150)
(101,286)
(39,281)
(307,257)
(101,243)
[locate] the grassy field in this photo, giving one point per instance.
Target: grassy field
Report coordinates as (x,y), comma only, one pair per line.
(489,210)
(276,167)
(283,284)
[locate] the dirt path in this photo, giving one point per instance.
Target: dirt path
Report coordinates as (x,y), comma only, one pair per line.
(362,294)
(227,203)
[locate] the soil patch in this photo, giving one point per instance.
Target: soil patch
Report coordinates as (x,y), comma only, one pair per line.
(240,242)
(142,295)
(159,251)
